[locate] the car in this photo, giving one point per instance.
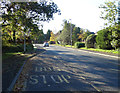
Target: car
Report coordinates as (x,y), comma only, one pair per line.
(45,44)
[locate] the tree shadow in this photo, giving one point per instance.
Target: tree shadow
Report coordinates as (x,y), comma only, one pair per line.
(82,69)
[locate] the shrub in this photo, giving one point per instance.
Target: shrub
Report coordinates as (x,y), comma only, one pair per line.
(12,48)
(115,43)
(79,44)
(29,47)
(104,39)
(116,39)
(90,41)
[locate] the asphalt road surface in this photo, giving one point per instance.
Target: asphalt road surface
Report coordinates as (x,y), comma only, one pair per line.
(64,69)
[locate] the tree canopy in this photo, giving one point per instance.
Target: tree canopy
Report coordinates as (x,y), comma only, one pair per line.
(26,16)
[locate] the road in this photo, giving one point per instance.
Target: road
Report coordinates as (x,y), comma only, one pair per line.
(66,69)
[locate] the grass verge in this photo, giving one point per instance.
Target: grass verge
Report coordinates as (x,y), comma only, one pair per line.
(101,50)
(92,49)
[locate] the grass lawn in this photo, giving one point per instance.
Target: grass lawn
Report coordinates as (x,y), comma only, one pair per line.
(12,60)
(92,49)
(7,55)
(102,50)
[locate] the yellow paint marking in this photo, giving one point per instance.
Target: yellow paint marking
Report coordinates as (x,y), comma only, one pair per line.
(55,56)
(49,68)
(58,69)
(60,78)
(40,68)
(82,78)
(68,76)
(54,79)
(33,79)
(45,69)
(95,87)
(44,79)
(65,79)
(36,69)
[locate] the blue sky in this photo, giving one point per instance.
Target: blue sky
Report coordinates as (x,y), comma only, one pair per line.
(83,13)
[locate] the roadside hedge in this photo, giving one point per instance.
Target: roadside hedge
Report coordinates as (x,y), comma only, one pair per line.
(90,41)
(79,45)
(12,48)
(104,39)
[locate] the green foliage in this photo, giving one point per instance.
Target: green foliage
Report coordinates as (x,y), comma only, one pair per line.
(29,47)
(85,35)
(12,48)
(109,12)
(24,17)
(65,35)
(38,36)
(48,35)
(75,34)
(103,39)
(102,50)
(116,38)
(79,45)
(90,41)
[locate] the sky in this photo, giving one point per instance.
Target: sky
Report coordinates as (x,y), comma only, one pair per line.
(83,13)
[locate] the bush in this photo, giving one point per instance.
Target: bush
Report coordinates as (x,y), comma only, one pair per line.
(12,48)
(79,45)
(116,39)
(115,43)
(104,39)
(29,47)
(90,41)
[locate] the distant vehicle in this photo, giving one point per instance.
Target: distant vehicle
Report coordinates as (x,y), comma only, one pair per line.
(45,44)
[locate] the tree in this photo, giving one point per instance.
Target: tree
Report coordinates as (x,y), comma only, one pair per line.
(80,35)
(26,14)
(48,35)
(65,35)
(109,12)
(110,15)
(75,34)
(104,39)
(90,41)
(85,35)
(52,38)
(116,38)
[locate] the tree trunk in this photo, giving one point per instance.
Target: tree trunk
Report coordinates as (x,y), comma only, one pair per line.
(14,39)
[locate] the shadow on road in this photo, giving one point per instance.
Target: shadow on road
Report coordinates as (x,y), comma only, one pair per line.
(80,71)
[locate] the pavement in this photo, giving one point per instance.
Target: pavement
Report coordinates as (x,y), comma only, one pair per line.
(65,69)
